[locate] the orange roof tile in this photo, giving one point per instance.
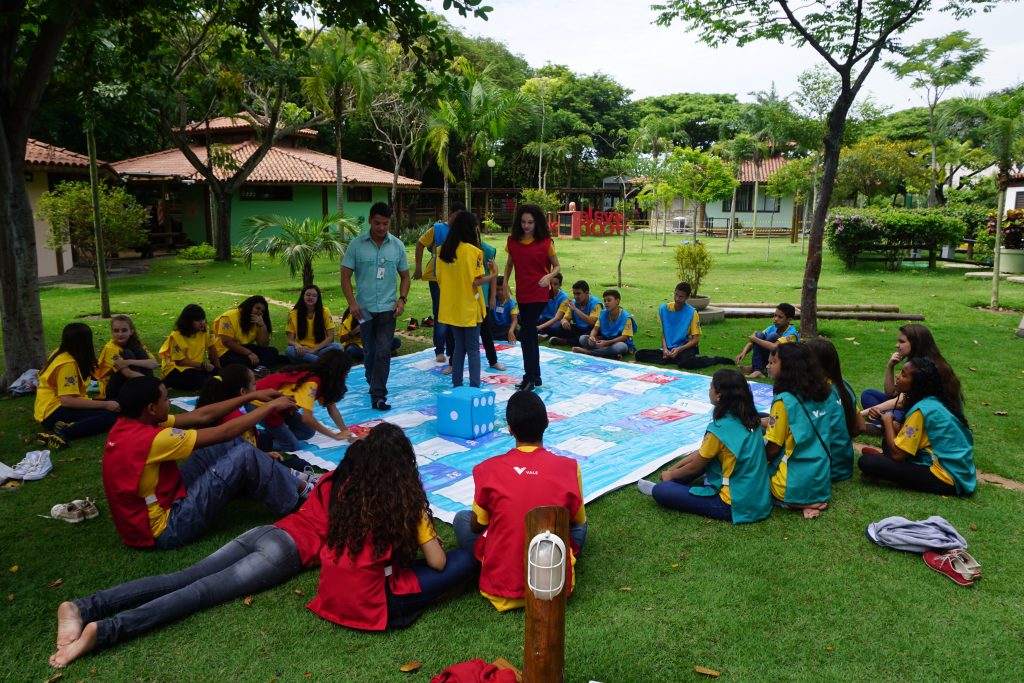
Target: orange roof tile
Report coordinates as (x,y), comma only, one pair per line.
(239,122)
(41,154)
(768,168)
(292,165)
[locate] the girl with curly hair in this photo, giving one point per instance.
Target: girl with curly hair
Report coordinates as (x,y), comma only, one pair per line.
(798,429)
(367,517)
(243,335)
(731,461)
(933,450)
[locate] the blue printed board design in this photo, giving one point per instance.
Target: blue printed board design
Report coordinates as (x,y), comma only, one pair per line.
(620,421)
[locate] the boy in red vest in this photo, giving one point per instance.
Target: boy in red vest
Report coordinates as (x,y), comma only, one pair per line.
(507,487)
(157,504)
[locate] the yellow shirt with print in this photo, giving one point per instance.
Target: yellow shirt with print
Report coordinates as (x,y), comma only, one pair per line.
(712,448)
(178,347)
(503,604)
(170,444)
(427,240)
(913,438)
(105,368)
(229,324)
(349,333)
(462,303)
(60,378)
(778,433)
(310,338)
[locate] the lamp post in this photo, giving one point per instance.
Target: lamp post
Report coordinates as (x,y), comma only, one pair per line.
(491,163)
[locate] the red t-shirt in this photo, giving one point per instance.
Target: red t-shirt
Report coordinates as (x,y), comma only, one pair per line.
(531,262)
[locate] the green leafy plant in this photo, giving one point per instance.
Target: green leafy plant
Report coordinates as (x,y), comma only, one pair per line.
(549,202)
(68,208)
(693,262)
(891,232)
(297,242)
(199,252)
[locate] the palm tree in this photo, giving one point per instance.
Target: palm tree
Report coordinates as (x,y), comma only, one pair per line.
(469,118)
(344,72)
(997,122)
(297,242)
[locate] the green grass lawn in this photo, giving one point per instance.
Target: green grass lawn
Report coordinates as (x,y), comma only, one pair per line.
(658,592)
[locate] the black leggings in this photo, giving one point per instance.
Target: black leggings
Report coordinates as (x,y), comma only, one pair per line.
(904,474)
(529,314)
(192,379)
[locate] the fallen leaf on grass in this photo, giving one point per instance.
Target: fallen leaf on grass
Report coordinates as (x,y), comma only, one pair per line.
(410,666)
(828,648)
(70,459)
(675,565)
(985,403)
(648,609)
(93,672)
(973,369)
(1000,412)
(308,674)
(707,672)
(974,527)
(54,584)
(247,601)
(975,341)
(298,592)
(856,343)
(10,597)
(14,568)
(850,338)
(55,677)
(625,589)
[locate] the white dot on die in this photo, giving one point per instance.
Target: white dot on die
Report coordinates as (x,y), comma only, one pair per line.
(476,429)
(490,400)
(454,415)
(491,426)
(476,402)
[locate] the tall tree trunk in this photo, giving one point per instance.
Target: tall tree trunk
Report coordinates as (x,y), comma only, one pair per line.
(307,274)
(732,220)
(757,189)
(933,196)
(1000,213)
(830,165)
(221,206)
(97,224)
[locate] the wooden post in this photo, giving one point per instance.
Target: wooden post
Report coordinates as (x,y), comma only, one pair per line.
(544,654)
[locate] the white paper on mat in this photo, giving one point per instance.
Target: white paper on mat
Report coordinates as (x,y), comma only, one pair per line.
(579,405)
(427,364)
(184,402)
(409,420)
(437,447)
(546,355)
(633,386)
(628,373)
(584,445)
(461,492)
(502,393)
(695,407)
(322,441)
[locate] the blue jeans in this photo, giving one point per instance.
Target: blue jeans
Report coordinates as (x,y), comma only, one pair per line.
(81,421)
(378,333)
(442,347)
(677,496)
(213,476)
(255,561)
(294,357)
(466,537)
(286,437)
(759,357)
(869,398)
(355,351)
(616,349)
(467,343)
(403,610)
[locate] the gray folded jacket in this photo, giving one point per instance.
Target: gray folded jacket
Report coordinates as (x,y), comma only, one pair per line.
(899,533)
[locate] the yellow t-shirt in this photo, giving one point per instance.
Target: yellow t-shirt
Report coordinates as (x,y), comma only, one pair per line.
(427,240)
(462,304)
(60,378)
(913,438)
(170,444)
(778,433)
(627,330)
(710,449)
(178,347)
(105,369)
(347,333)
(310,339)
(425,529)
(228,324)
(304,394)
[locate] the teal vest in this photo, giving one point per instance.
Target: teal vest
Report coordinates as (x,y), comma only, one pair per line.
(952,443)
(489,254)
(551,309)
(808,478)
(840,443)
(610,329)
(748,484)
(676,325)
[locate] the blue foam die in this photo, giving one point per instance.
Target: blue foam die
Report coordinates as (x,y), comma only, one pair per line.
(465,412)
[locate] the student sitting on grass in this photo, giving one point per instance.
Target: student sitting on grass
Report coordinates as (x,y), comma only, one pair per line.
(183,354)
(62,404)
(321,382)
(243,335)
(845,422)
(612,336)
(553,312)
(731,458)
(579,315)
(154,502)
(349,335)
(367,517)
(310,328)
(680,336)
(505,314)
(933,450)
(797,431)
(507,487)
(764,342)
(123,357)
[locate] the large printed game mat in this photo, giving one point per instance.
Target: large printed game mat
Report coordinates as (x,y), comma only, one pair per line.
(619,421)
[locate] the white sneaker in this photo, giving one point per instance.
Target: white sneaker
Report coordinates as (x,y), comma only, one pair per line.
(68,512)
(88,508)
(35,465)
(307,475)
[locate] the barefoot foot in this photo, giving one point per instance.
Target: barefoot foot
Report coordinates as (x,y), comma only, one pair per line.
(580,349)
(440,358)
(814,510)
(72,651)
(69,623)
(756,374)
(500,367)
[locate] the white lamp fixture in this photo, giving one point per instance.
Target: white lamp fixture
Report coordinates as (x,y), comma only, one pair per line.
(546,566)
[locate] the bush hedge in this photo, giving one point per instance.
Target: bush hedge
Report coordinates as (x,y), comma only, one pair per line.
(890,232)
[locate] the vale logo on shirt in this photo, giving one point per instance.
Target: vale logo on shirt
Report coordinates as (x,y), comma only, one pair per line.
(523,470)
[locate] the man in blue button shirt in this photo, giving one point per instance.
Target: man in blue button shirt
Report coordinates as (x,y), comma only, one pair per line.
(378,260)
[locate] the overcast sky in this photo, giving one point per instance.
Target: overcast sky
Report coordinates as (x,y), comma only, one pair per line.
(617,37)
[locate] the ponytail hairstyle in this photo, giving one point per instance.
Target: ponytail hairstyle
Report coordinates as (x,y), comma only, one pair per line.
(189,316)
(133,343)
(319,324)
(734,398)
(828,358)
(541,231)
(461,229)
(76,341)
(329,371)
(230,382)
(926,380)
(381,502)
(922,345)
(800,375)
(245,315)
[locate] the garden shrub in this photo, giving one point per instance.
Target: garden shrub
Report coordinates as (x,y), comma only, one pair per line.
(549,202)
(199,252)
(693,262)
(890,232)
(1012,237)
(68,207)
